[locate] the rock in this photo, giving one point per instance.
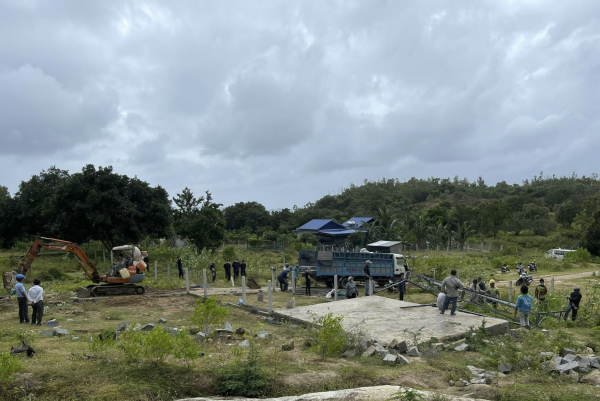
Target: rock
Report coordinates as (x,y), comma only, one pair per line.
(390,359)
(595,363)
(566,367)
(162,320)
(462,348)
(475,371)
(74,338)
(138,327)
(148,327)
(584,364)
(459,342)
(227,326)
(451,383)
(393,343)
(439,346)
(120,327)
(310,342)
(288,346)
(558,360)
(392,351)
(567,351)
(587,349)
(546,355)
(362,345)
(200,336)
(401,360)
(504,368)
(193,330)
(273,321)
(240,331)
(592,378)
(461,383)
(379,348)
(431,353)
(369,352)
(244,344)
(413,351)
(401,346)
(349,354)
(61,332)
(478,381)
(263,335)
(546,333)
(52,323)
(47,333)
(290,303)
(69,320)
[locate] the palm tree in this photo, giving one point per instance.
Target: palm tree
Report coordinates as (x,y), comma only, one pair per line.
(388,225)
(462,233)
(440,233)
(420,229)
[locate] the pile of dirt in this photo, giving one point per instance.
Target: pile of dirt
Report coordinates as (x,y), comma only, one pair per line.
(252,284)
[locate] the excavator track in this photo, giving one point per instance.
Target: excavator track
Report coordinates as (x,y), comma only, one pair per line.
(107,290)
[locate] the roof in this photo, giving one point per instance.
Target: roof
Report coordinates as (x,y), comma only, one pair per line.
(317,224)
(337,232)
(385,244)
(359,221)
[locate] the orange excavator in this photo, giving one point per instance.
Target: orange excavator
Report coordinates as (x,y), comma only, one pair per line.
(121,280)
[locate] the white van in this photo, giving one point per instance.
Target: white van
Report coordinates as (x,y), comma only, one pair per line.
(558,254)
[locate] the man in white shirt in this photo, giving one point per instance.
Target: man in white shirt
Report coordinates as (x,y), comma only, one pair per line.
(36,297)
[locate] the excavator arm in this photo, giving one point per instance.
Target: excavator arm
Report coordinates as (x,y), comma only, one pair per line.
(59,245)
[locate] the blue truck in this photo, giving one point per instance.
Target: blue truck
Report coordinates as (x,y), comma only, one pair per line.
(324,265)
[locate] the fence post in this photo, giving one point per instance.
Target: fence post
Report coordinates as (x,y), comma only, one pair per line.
(372,286)
(272,279)
(335,284)
(510,291)
(187,280)
(244,289)
(552,285)
(155,271)
(204,286)
(270,295)
(169,269)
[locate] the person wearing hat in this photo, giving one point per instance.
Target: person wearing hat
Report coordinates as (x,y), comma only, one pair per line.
(574,300)
(308,281)
(22,299)
(493,291)
(236,268)
(367,272)
(540,291)
(351,291)
(227,267)
(243,268)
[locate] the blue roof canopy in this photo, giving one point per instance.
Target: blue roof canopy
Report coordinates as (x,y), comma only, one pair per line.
(321,224)
(338,232)
(359,221)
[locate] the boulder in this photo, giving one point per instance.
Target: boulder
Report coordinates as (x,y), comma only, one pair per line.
(263,335)
(567,351)
(288,347)
(362,345)
(592,378)
(290,303)
(566,367)
(589,350)
(571,358)
(244,344)
(349,353)
(162,320)
(200,336)
(475,371)
(369,352)
(390,359)
(61,332)
(52,323)
(462,348)
(401,360)
(240,331)
(392,351)
(431,353)
(227,326)
(413,351)
(47,333)
(461,383)
(148,327)
(595,363)
(401,346)
(120,327)
(504,368)
(393,343)
(549,367)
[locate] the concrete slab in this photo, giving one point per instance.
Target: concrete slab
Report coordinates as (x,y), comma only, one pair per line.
(199,292)
(385,319)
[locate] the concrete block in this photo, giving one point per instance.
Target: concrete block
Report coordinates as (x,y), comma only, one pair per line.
(244,344)
(148,327)
(462,348)
(61,332)
(47,333)
(52,323)
(402,346)
(401,360)
(504,368)
(227,326)
(369,352)
(567,351)
(475,371)
(162,320)
(566,367)
(349,353)
(413,351)
(546,333)
(390,359)
(120,327)
(263,335)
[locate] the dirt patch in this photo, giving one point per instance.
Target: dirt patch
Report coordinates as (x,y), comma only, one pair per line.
(309,381)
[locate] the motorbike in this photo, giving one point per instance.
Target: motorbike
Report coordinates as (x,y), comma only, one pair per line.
(532,266)
(520,268)
(524,279)
(504,268)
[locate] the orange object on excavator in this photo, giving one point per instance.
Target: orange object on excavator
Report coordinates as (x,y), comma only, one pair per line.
(121,281)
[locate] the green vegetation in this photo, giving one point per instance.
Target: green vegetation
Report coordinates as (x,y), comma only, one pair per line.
(209,313)
(8,366)
(248,378)
(330,335)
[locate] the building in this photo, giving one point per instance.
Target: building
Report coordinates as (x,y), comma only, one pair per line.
(385,247)
(316,225)
(330,232)
(357,222)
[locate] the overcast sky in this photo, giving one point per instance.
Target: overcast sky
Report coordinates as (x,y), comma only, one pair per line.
(282,102)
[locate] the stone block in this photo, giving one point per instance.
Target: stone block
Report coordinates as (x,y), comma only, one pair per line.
(393,343)
(413,351)
(52,323)
(570,358)
(595,363)
(369,352)
(263,335)
(474,370)
(459,342)
(227,326)
(290,303)
(462,348)
(566,367)
(401,346)
(310,342)
(288,347)
(401,360)
(478,381)
(245,344)
(349,353)
(120,327)
(574,375)
(380,348)
(567,351)
(390,359)
(200,336)
(546,355)
(148,327)
(61,332)
(439,346)
(504,368)
(74,338)
(240,331)
(546,333)
(392,351)
(431,353)
(549,367)
(47,333)
(162,320)
(558,360)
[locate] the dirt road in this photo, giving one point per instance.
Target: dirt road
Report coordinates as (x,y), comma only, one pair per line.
(558,278)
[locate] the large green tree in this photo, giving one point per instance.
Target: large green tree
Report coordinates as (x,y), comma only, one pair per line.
(10,227)
(589,223)
(247,214)
(199,220)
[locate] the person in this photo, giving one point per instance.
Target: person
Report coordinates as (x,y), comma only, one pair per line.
(180,266)
(523,306)
(351,291)
(227,267)
(294,270)
(367,272)
(493,291)
(283,280)
(450,287)
(475,288)
(574,300)
(440,300)
(36,297)
(540,291)
(146,259)
(213,271)
(481,284)
(243,268)
(22,299)
(401,287)
(308,281)
(236,268)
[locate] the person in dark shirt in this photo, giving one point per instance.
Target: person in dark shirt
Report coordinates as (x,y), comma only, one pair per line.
(227,267)
(481,284)
(367,272)
(401,287)
(574,300)
(180,266)
(146,259)
(243,268)
(283,280)
(213,271)
(308,281)
(236,269)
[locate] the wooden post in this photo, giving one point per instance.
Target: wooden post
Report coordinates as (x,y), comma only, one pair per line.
(187,280)
(270,295)
(244,289)
(169,269)
(335,284)
(205,286)
(510,291)
(155,271)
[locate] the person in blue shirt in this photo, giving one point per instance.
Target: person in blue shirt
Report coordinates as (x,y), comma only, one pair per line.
(283,280)
(524,306)
(22,300)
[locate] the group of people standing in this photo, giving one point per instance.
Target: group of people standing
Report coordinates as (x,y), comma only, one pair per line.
(238,269)
(33,297)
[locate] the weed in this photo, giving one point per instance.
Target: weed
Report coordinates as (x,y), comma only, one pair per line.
(407,394)
(131,345)
(184,348)
(157,345)
(103,342)
(8,366)
(330,335)
(208,313)
(415,336)
(476,338)
(248,378)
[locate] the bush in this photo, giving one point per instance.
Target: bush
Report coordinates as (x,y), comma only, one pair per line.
(157,345)
(581,255)
(209,313)
(184,348)
(229,252)
(8,366)
(131,345)
(51,274)
(330,335)
(105,340)
(308,238)
(247,379)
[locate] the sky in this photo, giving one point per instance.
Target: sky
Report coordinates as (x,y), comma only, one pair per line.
(283,102)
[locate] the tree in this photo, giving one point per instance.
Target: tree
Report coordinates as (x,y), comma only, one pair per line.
(199,220)
(388,225)
(420,230)
(356,239)
(462,233)
(247,214)
(589,223)
(10,227)
(309,238)
(566,214)
(440,233)
(493,214)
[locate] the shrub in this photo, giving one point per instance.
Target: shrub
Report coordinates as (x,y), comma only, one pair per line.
(330,335)
(581,255)
(157,345)
(248,378)
(184,348)
(229,252)
(131,345)
(103,342)
(51,274)
(208,313)
(8,366)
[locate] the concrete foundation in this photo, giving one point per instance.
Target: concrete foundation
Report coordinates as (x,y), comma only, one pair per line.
(385,319)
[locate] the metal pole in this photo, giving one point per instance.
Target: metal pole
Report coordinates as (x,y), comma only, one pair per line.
(244,289)
(510,291)
(335,284)
(272,279)
(552,285)
(270,296)
(155,270)
(169,269)
(294,280)
(372,286)
(205,286)
(187,281)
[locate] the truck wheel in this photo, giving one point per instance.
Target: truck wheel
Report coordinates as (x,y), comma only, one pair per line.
(342,282)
